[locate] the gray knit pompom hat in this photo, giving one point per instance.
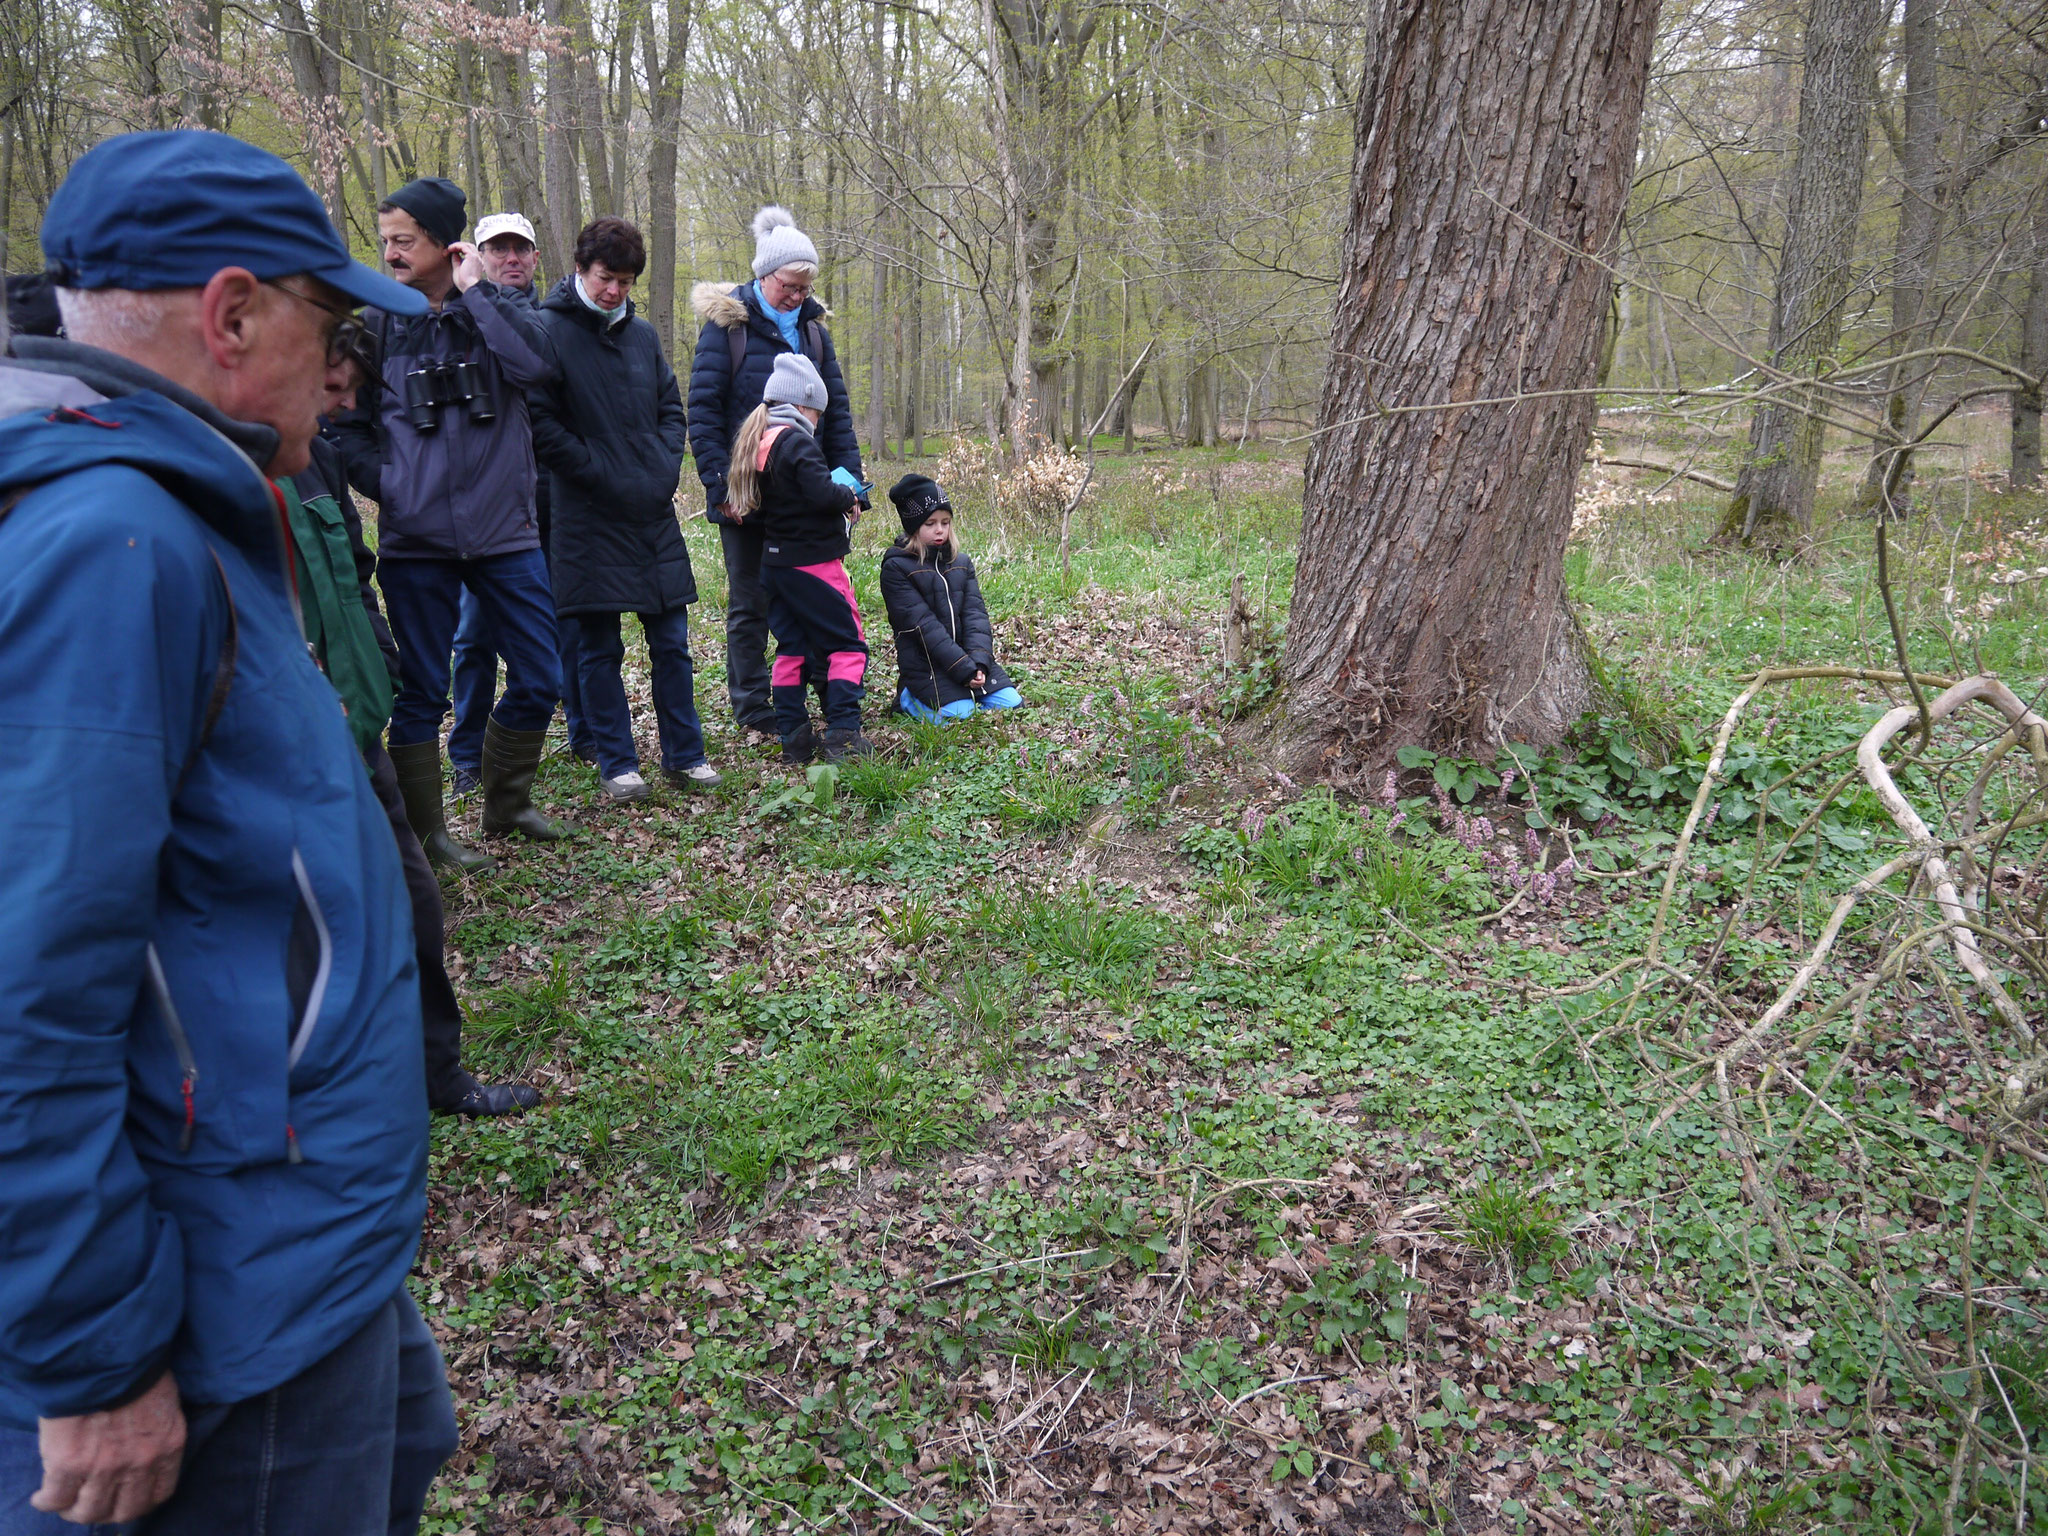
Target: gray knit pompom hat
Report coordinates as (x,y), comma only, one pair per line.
(778,243)
(794,382)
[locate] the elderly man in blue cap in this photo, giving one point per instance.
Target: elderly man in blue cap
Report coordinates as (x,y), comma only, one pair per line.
(213,1120)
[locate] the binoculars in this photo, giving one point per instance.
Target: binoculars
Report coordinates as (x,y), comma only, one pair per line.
(446,381)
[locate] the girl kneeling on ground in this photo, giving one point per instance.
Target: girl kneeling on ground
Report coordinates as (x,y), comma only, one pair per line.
(945,645)
(807,514)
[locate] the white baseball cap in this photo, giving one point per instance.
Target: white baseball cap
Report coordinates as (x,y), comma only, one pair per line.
(496,224)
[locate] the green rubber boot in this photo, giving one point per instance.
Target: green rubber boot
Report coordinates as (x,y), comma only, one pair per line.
(511,758)
(419,783)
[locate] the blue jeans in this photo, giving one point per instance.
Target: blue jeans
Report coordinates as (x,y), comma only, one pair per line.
(600,651)
(349,1445)
(422,600)
(476,687)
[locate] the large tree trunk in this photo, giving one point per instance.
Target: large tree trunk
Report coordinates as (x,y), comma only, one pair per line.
(558,154)
(2026,403)
(517,131)
(665,122)
(1487,191)
(1913,247)
(1773,500)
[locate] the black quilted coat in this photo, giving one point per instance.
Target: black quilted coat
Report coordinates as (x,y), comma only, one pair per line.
(943,636)
(609,431)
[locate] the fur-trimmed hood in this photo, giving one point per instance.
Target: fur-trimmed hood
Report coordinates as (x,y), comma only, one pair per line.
(725,305)
(720,304)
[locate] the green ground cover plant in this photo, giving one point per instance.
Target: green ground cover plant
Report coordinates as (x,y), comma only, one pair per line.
(1068,1121)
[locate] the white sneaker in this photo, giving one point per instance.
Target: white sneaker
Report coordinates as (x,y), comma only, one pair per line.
(627,786)
(701,777)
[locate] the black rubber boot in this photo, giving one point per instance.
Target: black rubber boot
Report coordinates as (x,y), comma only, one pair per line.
(842,744)
(419,781)
(511,758)
(801,745)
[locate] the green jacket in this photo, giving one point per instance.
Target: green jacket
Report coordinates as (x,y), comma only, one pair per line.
(331,612)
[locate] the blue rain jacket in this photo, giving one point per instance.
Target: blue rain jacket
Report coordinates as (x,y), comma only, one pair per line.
(213,1118)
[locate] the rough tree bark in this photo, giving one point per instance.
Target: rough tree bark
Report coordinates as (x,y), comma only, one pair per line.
(558,155)
(665,122)
(2026,403)
(1918,152)
(1773,501)
(1488,187)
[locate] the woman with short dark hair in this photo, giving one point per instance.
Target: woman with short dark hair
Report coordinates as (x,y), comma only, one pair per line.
(609,431)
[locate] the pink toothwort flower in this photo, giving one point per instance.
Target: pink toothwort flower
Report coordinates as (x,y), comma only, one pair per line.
(1507,781)
(1254,823)
(1713,812)
(1534,845)
(1394,821)
(1283,781)
(1482,828)
(1390,788)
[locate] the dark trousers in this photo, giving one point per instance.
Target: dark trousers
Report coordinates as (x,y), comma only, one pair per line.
(440,1013)
(746,624)
(476,686)
(422,599)
(347,1447)
(812,611)
(601,650)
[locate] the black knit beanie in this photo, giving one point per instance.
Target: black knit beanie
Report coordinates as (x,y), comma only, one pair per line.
(917,497)
(440,207)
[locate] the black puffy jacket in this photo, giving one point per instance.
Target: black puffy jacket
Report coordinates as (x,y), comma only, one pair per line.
(803,509)
(943,636)
(719,401)
(608,429)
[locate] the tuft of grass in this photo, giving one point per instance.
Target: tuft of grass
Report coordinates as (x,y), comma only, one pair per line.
(1514,1226)
(911,924)
(881,783)
(1046,798)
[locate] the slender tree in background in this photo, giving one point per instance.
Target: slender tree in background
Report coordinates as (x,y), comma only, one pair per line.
(1487,190)
(2026,403)
(1773,500)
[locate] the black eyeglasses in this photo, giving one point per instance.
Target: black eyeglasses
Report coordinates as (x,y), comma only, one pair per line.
(349,340)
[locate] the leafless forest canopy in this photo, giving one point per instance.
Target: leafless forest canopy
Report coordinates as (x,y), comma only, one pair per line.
(1015,198)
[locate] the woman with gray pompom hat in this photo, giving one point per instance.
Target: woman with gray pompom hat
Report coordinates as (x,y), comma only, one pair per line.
(747,326)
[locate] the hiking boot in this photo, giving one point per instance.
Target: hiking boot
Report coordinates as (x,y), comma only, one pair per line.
(627,786)
(464,779)
(418,765)
(477,1101)
(701,778)
(511,758)
(801,745)
(842,744)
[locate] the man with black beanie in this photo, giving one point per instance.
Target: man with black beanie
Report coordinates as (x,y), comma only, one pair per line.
(440,439)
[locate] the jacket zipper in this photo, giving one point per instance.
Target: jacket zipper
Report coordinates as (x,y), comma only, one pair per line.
(316,996)
(188,1065)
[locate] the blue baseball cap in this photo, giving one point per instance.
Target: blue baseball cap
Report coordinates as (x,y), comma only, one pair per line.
(146,211)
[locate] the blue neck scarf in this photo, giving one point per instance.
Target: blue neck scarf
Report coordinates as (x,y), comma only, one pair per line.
(786,322)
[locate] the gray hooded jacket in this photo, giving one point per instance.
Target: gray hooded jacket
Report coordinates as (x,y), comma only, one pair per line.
(463,490)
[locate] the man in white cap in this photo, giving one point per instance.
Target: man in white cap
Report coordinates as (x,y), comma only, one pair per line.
(746,327)
(505,243)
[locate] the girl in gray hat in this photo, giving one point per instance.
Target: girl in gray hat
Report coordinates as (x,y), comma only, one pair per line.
(779,478)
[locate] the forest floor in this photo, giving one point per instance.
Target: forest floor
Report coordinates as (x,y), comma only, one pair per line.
(1067,1122)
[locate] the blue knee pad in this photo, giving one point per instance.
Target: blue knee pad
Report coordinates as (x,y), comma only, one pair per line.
(912,706)
(1002,698)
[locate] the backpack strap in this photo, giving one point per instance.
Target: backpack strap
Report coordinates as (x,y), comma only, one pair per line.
(223,666)
(814,335)
(736,345)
